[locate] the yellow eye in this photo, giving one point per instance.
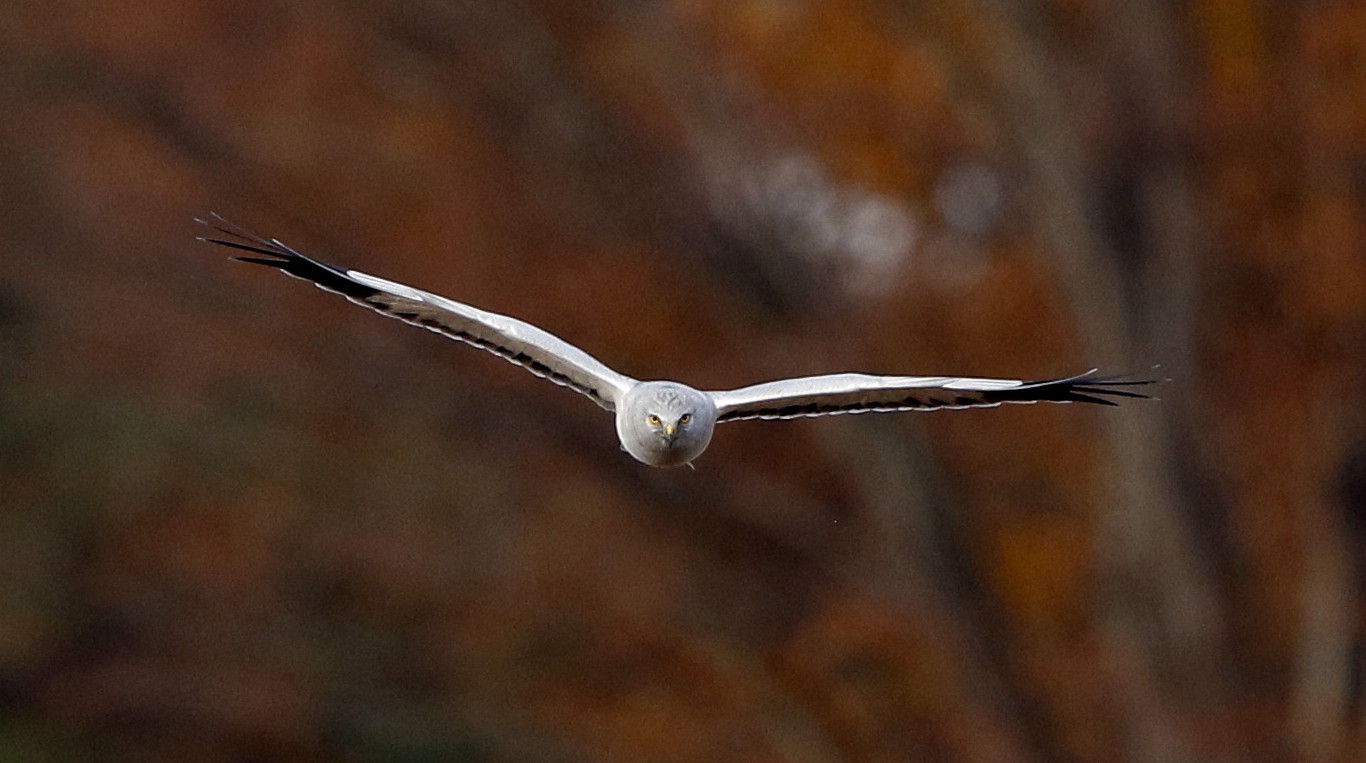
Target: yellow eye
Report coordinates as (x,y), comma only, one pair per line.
(685,418)
(653,419)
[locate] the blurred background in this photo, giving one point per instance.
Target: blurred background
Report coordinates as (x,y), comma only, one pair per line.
(241,519)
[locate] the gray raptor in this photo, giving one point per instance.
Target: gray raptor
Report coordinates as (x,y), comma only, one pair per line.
(663,423)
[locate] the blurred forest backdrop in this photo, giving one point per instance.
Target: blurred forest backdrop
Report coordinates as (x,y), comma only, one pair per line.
(241,519)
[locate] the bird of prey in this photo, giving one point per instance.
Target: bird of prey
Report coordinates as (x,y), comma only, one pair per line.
(662,423)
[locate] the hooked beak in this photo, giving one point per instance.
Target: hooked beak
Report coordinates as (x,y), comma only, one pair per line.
(669,430)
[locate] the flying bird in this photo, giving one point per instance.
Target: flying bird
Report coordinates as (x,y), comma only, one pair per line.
(662,423)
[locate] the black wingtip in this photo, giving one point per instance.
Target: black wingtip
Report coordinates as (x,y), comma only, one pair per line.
(263,261)
(280,256)
(248,248)
(1082,388)
(1078,397)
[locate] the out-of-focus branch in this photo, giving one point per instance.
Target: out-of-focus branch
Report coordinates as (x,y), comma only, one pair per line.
(1143,537)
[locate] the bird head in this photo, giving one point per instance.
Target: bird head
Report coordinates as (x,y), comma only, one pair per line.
(665,423)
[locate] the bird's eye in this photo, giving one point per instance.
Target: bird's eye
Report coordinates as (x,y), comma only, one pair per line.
(685,418)
(653,419)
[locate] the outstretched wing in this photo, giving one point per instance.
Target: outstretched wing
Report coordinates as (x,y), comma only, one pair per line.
(538,351)
(860,393)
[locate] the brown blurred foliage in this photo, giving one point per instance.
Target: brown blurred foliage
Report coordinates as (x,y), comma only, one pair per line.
(245,520)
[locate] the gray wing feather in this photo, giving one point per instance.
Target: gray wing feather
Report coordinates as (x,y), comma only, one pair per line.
(836,394)
(516,341)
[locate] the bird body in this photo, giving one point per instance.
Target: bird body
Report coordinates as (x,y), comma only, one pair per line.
(663,423)
(678,423)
